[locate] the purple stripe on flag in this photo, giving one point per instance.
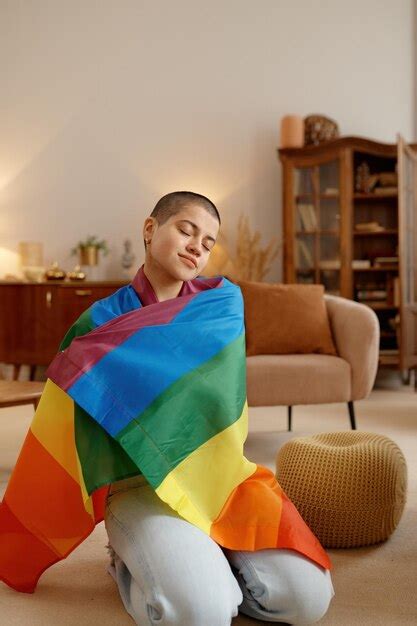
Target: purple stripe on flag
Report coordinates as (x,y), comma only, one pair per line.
(62,369)
(85,351)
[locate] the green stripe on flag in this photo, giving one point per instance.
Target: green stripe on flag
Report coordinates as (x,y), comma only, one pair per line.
(102,459)
(188,413)
(82,326)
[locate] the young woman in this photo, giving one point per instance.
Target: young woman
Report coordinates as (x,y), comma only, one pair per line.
(168,571)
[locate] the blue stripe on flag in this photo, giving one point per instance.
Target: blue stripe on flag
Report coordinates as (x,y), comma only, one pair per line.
(129,378)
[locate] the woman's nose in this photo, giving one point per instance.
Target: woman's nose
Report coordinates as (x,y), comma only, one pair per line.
(194,247)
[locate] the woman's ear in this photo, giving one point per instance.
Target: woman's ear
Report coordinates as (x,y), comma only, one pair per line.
(148,228)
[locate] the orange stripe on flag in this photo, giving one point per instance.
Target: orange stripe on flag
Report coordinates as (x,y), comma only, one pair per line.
(250,519)
(258,515)
(49,501)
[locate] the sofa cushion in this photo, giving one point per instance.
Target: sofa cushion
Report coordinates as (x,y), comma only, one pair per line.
(286,319)
(275,379)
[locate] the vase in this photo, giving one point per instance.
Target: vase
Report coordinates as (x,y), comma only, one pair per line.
(88,255)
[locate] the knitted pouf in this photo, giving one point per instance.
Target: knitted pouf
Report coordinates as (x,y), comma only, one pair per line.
(350,487)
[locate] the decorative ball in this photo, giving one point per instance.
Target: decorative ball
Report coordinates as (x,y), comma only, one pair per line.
(318,128)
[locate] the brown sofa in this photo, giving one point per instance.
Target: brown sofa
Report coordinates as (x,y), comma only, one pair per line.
(293,379)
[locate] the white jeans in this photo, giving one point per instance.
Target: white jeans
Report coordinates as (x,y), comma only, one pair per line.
(171,573)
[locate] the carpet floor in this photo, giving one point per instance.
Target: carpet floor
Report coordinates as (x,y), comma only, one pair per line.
(374,585)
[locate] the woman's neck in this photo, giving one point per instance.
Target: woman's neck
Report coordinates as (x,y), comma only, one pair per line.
(164,285)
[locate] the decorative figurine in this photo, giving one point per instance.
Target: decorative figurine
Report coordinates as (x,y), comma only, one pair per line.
(127,257)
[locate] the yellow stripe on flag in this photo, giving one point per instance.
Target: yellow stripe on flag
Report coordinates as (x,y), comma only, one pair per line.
(53,426)
(187,490)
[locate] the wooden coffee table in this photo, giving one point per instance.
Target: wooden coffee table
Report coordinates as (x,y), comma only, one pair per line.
(16,392)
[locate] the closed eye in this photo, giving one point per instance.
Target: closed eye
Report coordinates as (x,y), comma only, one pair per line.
(188,235)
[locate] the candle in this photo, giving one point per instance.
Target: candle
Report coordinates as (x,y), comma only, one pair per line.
(292,131)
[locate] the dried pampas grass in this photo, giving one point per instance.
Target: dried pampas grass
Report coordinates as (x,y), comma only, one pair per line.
(250,261)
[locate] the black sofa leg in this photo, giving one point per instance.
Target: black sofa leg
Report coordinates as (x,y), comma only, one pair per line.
(352,415)
(289,417)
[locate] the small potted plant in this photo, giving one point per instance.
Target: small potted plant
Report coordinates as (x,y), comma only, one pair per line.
(88,250)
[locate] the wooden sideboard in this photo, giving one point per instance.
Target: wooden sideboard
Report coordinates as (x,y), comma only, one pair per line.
(34,317)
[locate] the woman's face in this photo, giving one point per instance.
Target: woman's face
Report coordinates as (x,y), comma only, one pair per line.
(190,233)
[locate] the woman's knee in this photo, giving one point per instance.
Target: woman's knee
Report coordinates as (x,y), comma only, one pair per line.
(188,611)
(306,603)
(219,615)
(312,606)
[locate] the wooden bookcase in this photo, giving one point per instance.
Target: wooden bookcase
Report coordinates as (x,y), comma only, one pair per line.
(349,223)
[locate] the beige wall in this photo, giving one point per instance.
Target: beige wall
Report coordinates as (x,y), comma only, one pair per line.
(107,105)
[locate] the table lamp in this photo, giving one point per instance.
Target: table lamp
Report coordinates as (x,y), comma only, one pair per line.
(31,259)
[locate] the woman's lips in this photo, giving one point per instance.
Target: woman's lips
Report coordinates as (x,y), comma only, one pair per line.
(187,261)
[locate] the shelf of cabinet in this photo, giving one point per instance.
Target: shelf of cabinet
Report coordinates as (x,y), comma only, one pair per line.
(378,306)
(376,233)
(391,358)
(329,231)
(388,268)
(374,196)
(311,196)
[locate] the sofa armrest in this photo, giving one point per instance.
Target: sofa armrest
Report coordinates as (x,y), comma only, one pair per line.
(355,329)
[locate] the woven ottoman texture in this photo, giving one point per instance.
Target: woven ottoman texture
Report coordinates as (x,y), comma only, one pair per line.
(350,487)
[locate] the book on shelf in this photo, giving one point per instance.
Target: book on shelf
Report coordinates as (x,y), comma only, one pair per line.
(374,304)
(361,264)
(396,291)
(385,191)
(385,260)
(369,227)
(303,255)
(372,294)
(307,216)
(303,183)
(329,264)
(393,290)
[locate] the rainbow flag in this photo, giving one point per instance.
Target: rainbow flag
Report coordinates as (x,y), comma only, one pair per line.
(158,390)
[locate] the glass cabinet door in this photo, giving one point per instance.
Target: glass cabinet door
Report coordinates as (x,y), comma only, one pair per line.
(407,187)
(317,225)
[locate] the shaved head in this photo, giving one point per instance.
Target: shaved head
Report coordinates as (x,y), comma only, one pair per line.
(172,203)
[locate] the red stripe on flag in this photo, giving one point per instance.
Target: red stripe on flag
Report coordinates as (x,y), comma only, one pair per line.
(296,535)
(23,557)
(99,502)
